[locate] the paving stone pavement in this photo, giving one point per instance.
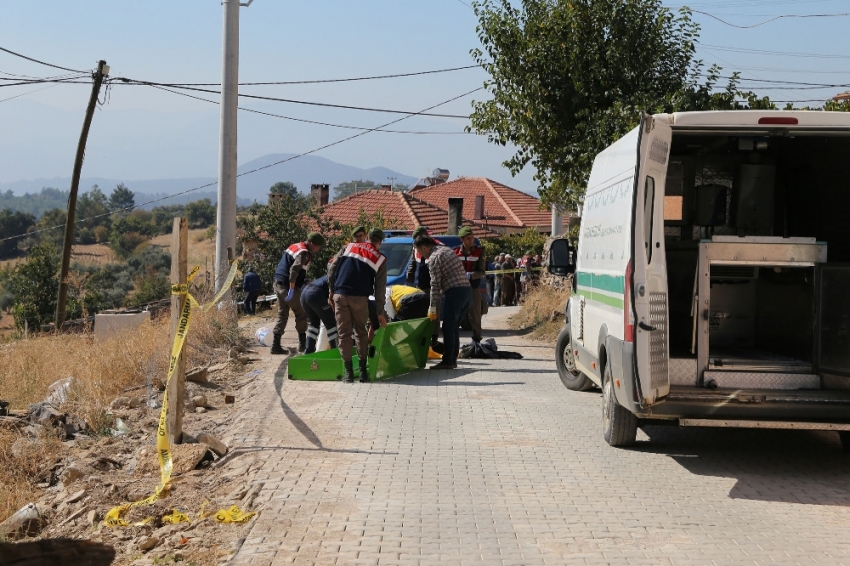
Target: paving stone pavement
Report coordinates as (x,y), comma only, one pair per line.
(498,463)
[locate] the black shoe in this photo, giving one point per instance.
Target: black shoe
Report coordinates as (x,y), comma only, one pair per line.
(443,365)
(277,350)
(348,376)
(302,342)
(364,371)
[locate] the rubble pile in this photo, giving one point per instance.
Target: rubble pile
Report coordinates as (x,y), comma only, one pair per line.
(101,469)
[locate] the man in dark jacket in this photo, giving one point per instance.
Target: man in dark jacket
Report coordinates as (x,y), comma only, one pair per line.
(357,271)
(252,286)
(314,301)
(288,280)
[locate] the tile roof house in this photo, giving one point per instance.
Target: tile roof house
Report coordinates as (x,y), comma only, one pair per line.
(505,210)
(407,210)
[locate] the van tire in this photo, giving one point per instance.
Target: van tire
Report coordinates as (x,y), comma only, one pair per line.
(619,425)
(570,376)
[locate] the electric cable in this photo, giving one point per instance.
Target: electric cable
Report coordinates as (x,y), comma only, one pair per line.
(308,121)
(128,208)
(771,19)
(29,92)
(710,47)
(135,82)
(10,52)
(324,81)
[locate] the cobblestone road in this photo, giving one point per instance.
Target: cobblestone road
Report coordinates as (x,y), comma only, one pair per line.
(499,464)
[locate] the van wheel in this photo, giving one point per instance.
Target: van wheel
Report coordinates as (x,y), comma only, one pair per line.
(565,360)
(619,424)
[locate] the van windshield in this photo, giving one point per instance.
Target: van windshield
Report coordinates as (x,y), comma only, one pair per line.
(397,256)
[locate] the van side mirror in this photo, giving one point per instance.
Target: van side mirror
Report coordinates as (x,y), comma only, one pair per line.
(561,258)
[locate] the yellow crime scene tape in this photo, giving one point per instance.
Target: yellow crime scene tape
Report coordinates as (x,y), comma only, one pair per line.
(515,270)
(233,515)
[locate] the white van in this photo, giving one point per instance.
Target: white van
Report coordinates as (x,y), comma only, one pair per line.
(711,281)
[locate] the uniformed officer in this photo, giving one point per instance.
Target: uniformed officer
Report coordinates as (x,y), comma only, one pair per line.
(288,280)
(357,271)
(359,234)
(475,265)
(314,300)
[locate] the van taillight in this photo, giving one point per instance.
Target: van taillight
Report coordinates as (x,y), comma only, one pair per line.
(778,120)
(628,321)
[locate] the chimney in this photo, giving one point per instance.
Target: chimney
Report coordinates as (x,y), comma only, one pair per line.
(455,215)
(320,194)
(479,208)
(557,221)
(386,187)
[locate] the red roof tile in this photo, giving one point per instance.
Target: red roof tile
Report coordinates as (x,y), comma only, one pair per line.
(503,206)
(408,211)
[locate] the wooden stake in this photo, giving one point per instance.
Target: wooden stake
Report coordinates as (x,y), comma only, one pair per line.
(177,385)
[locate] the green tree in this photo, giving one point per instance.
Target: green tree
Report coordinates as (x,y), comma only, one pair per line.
(347,189)
(285,188)
(35,284)
(121,198)
(567,78)
(53,224)
(93,206)
(516,245)
(200,213)
(13,224)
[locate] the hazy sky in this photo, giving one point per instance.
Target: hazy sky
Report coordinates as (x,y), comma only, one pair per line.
(143,133)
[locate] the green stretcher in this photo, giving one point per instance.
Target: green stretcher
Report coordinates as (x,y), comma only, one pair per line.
(399,348)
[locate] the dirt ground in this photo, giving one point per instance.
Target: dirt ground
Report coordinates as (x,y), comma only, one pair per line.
(96,473)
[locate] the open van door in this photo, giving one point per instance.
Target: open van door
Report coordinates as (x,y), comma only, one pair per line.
(833,334)
(648,287)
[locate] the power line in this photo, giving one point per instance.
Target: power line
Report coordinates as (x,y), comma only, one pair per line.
(767,52)
(771,19)
(323,81)
(10,52)
(309,121)
(135,82)
(128,208)
(29,92)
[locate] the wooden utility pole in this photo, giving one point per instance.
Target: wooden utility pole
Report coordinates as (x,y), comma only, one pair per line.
(177,384)
(102,71)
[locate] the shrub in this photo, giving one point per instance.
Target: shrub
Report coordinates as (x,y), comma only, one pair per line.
(101,234)
(124,243)
(35,284)
(86,236)
(150,287)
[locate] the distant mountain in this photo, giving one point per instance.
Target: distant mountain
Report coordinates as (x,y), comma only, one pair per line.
(303,171)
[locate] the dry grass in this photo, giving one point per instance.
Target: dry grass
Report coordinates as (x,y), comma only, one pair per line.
(23,463)
(102,371)
(537,308)
(201,249)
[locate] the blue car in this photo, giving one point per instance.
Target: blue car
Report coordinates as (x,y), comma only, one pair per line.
(399,252)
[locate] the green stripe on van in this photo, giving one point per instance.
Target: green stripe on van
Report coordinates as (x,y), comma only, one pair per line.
(598,297)
(602,282)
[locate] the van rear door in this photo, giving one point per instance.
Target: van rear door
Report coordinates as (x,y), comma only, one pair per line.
(833,329)
(649,281)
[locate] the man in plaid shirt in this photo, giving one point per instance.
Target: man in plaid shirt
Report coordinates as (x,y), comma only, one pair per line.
(449,282)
